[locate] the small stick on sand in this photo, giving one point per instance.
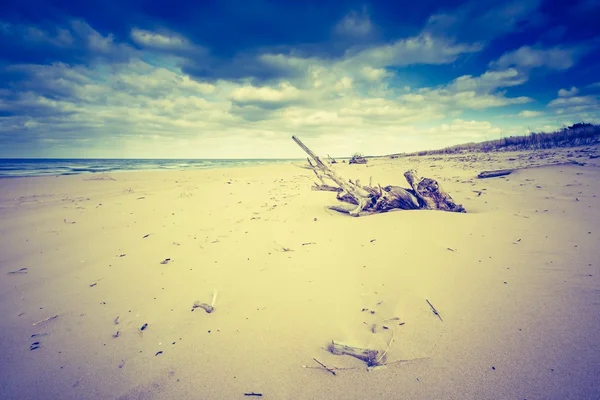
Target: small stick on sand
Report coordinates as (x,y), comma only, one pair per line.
(434,310)
(44,320)
(387,349)
(325,366)
(214,298)
(253,394)
(21,271)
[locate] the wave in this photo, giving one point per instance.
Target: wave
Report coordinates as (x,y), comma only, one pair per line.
(44,167)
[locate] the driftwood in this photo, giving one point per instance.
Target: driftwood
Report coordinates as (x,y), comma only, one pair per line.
(357,200)
(504,172)
(367,355)
(495,173)
(357,159)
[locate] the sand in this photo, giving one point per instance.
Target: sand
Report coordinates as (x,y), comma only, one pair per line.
(516,281)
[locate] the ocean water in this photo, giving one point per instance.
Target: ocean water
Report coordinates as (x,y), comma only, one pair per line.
(62,166)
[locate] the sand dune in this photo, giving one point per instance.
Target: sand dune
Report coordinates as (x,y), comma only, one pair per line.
(516,281)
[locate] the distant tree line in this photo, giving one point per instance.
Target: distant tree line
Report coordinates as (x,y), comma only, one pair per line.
(579,134)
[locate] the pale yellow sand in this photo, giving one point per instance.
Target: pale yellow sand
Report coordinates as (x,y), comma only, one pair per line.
(518,293)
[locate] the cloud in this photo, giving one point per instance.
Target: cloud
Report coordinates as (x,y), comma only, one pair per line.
(573,101)
(526,57)
(529,114)
(354,25)
(576,107)
(489,81)
(482,21)
(568,92)
(159,41)
(285,94)
(422,49)
(75,42)
(475,93)
(466,130)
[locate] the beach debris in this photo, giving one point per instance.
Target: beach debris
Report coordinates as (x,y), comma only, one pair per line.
(20,271)
(434,310)
(367,355)
(378,363)
(45,320)
(36,335)
(34,346)
(495,173)
(143,327)
(146,235)
(375,327)
(116,334)
(253,394)
(122,363)
(283,249)
(165,261)
(158,353)
(425,193)
(139,198)
(116,320)
(207,307)
(122,255)
(325,366)
(306,244)
(68,222)
(504,172)
(93,284)
(451,249)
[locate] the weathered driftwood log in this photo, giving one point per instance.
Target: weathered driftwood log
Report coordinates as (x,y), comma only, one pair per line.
(357,159)
(431,195)
(367,355)
(495,173)
(359,200)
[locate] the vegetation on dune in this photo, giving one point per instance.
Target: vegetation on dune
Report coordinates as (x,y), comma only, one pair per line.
(579,134)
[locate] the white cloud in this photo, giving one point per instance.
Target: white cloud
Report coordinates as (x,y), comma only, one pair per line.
(421,49)
(374,74)
(472,130)
(529,114)
(573,101)
(489,81)
(355,103)
(354,24)
(157,40)
(284,93)
(568,92)
(527,57)
(576,107)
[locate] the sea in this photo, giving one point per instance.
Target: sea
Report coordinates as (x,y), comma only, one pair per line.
(14,167)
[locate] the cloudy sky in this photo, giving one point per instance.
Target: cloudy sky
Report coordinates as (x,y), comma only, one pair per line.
(237,78)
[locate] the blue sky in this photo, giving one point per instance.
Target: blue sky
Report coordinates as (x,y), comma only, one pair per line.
(228,79)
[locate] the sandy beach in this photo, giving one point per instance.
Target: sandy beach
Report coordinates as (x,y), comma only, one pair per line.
(515,280)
